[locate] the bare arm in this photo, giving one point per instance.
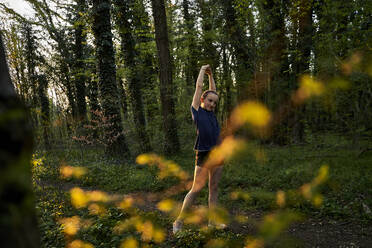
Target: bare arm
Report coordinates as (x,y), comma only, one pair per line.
(199,87)
(212,84)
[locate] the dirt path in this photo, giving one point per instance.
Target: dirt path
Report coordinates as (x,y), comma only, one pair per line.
(331,233)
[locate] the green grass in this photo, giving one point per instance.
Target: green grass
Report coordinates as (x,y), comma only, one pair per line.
(284,168)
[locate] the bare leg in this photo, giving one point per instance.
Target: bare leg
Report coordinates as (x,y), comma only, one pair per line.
(200,176)
(214,178)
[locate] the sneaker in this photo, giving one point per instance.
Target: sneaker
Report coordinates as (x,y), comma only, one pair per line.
(220,226)
(177,226)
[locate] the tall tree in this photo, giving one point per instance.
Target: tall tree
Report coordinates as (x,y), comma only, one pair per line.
(31,62)
(209,26)
(79,65)
(18,225)
(107,76)
(242,52)
(124,15)
(191,70)
(47,20)
(145,46)
(228,84)
(303,16)
(166,85)
(44,104)
(276,62)
(16,50)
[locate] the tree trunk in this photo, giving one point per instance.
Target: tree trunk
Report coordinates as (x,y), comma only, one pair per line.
(166,85)
(44,104)
(277,64)
(107,78)
(80,78)
(304,46)
(191,69)
(228,83)
(244,66)
(123,97)
(134,83)
(18,225)
(209,51)
(147,72)
(30,58)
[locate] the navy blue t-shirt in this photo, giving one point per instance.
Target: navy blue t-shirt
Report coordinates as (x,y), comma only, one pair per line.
(207,129)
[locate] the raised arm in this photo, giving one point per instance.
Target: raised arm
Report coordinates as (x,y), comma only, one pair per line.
(212,84)
(199,87)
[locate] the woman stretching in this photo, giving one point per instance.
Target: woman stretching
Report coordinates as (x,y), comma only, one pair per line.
(208,131)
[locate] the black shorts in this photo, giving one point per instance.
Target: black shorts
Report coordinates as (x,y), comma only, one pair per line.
(201,157)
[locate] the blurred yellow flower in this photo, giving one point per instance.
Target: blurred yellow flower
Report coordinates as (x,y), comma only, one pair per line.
(129,243)
(126,203)
(322,175)
(70,225)
(96,209)
(239,195)
(224,151)
(308,87)
(254,243)
(280,198)
(143,159)
(79,244)
(166,205)
(317,200)
(97,195)
(251,112)
(147,230)
(70,171)
(306,190)
(78,198)
(158,235)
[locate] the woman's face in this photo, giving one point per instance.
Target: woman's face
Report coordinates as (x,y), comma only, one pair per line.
(210,101)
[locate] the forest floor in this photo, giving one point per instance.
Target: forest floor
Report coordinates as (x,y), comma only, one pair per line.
(343,219)
(311,232)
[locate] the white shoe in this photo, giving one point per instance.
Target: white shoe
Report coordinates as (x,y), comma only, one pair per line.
(177,226)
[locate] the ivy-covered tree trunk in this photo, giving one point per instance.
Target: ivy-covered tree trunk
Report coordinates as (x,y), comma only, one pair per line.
(304,46)
(65,60)
(191,69)
(166,85)
(241,50)
(129,51)
(92,87)
(15,49)
(145,43)
(93,100)
(123,96)
(31,58)
(209,26)
(80,78)
(226,76)
(44,104)
(107,78)
(18,225)
(277,65)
